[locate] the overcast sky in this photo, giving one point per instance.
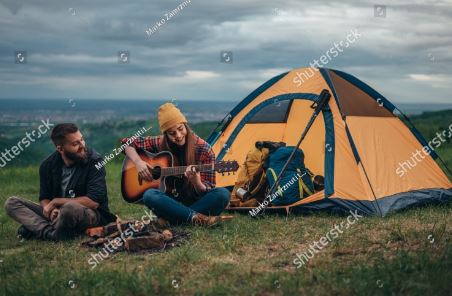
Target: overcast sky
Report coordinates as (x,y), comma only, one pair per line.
(72,47)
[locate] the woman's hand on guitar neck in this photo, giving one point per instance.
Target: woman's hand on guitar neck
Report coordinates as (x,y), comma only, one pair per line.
(144,170)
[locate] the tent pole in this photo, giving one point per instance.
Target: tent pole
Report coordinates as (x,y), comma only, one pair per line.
(318,106)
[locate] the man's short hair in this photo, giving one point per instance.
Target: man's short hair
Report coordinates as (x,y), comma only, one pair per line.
(60,131)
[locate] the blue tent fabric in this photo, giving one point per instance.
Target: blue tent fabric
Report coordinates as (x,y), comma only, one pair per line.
(387,205)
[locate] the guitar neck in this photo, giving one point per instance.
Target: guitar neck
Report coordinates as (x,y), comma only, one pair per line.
(180,170)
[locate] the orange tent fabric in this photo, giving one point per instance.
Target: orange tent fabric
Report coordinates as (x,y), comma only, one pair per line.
(357,143)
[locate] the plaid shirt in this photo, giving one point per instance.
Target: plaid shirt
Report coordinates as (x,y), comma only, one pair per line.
(203,154)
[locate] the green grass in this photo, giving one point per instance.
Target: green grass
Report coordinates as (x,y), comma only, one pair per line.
(408,253)
(392,255)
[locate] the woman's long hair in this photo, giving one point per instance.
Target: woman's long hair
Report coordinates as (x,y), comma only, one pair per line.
(167,145)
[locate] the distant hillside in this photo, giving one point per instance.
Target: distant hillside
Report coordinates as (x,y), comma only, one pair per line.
(106,135)
(102,136)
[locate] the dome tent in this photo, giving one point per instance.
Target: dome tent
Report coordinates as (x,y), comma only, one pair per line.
(359,143)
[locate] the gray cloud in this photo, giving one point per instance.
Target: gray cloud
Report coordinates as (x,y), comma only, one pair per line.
(72,47)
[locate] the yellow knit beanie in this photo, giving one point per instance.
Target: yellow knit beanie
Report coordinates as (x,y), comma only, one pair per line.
(169,116)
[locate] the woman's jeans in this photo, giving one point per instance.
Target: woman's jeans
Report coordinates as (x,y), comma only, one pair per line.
(211,203)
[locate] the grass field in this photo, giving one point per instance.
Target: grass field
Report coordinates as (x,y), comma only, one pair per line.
(407,253)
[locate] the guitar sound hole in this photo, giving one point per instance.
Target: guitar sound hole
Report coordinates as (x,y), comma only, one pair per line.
(156,172)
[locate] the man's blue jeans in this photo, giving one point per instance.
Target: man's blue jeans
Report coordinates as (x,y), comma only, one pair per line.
(211,203)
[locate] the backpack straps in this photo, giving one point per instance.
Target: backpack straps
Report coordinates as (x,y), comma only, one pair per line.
(274,177)
(262,180)
(303,187)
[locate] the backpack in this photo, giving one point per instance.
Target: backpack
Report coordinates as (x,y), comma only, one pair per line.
(296,182)
(251,176)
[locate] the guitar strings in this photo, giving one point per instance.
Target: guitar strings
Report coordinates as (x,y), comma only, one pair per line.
(181,170)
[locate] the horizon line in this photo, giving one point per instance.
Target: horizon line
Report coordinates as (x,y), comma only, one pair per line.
(200,100)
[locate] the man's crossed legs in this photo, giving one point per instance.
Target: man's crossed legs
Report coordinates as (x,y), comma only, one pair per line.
(72,219)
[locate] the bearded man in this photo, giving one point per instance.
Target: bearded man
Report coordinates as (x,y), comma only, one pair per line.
(73,192)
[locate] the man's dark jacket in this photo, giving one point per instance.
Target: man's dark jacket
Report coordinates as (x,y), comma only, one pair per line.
(86,181)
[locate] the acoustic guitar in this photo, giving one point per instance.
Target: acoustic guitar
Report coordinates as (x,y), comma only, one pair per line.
(164,174)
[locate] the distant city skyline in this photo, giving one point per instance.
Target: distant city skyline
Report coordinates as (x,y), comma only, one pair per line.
(201,50)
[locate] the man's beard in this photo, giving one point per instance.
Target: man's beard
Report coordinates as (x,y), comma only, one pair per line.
(77,157)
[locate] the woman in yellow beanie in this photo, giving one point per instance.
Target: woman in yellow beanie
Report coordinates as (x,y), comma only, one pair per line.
(196,201)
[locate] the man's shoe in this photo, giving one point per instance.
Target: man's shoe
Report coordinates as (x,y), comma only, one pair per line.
(24,233)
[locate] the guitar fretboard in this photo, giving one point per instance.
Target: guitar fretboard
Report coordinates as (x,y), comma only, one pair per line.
(180,170)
